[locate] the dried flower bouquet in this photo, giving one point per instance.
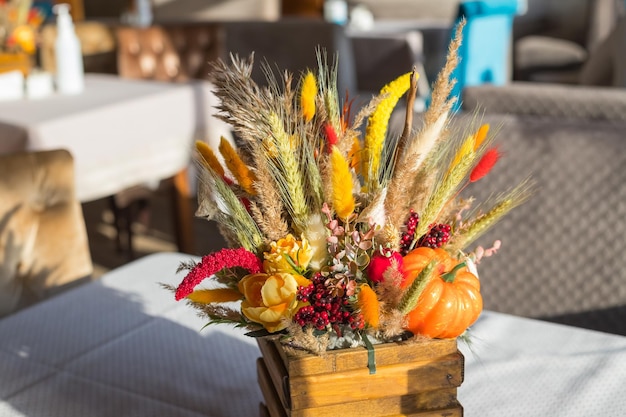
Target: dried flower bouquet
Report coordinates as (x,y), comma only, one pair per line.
(340,238)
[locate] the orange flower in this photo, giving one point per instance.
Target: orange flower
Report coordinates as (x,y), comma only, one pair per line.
(270,299)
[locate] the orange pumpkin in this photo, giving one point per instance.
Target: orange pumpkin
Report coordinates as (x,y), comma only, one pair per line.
(450,302)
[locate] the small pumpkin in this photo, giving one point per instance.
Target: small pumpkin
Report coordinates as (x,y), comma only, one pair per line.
(450,301)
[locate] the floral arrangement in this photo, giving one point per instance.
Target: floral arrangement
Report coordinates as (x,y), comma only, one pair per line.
(341,236)
(19,22)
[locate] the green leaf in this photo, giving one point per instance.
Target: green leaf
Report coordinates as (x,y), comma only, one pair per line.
(259,333)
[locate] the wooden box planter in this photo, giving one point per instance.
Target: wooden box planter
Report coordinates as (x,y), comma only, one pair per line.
(411,379)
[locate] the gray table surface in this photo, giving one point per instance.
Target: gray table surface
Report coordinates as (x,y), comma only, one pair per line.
(122,346)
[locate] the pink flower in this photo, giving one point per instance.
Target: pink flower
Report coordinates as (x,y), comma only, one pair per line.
(215,262)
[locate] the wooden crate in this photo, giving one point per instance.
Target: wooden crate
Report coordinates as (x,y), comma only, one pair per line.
(411,379)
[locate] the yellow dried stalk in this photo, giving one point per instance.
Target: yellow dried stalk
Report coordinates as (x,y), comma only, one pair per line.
(376,129)
(308,94)
(481,135)
(341,178)
(208,158)
(244,175)
(216,295)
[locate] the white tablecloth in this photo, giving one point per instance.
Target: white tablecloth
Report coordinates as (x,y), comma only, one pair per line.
(123,347)
(121,132)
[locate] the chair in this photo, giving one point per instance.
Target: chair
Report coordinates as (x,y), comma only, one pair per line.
(289,45)
(43,239)
(606,65)
(555,39)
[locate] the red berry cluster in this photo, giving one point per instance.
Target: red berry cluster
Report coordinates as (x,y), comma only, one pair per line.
(439,234)
(407,236)
(324,308)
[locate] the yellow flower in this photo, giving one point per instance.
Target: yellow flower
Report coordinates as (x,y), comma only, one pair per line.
(270,299)
(286,253)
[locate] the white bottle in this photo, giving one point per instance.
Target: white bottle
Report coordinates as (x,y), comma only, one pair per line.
(69,58)
(336,11)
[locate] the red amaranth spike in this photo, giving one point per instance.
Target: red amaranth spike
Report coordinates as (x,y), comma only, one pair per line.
(215,262)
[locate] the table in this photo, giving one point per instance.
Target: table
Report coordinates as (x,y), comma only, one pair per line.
(121,133)
(122,346)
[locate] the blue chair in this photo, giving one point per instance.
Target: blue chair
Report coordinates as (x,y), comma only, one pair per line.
(485,52)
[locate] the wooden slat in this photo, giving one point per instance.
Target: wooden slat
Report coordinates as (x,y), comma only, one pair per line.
(456,411)
(273,404)
(356,358)
(276,369)
(394,380)
(398,405)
